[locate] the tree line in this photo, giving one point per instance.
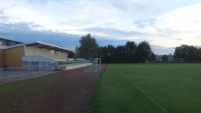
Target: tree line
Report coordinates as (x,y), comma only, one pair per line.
(190,54)
(131,52)
(128,53)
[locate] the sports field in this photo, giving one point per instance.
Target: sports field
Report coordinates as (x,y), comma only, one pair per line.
(149,88)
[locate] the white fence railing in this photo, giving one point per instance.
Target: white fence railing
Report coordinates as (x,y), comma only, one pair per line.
(72,66)
(18,73)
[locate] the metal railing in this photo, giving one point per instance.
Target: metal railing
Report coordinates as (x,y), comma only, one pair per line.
(73,66)
(18,73)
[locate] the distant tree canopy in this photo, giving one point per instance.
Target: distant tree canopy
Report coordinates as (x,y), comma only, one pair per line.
(165,58)
(128,53)
(71,55)
(88,47)
(131,52)
(188,53)
(144,52)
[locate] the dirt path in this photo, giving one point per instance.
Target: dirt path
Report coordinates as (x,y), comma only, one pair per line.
(72,95)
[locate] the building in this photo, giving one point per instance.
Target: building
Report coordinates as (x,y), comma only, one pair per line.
(158,58)
(18,54)
(4,43)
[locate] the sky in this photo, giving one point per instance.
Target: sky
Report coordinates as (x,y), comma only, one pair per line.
(165,24)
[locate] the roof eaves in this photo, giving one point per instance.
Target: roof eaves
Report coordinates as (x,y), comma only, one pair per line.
(13,46)
(43,43)
(10,40)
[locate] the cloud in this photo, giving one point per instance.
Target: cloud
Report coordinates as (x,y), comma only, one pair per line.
(162,23)
(115,33)
(183,24)
(64,16)
(160,50)
(23,32)
(143,23)
(107,41)
(2,16)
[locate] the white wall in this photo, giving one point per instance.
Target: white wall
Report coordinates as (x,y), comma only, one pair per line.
(31,50)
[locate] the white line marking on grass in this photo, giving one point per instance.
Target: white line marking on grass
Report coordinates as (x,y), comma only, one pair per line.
(143,91)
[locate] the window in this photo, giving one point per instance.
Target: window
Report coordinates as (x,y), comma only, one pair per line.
(51,51)
(57,52)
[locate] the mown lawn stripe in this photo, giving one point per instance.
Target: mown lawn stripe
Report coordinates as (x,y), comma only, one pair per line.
(144,92)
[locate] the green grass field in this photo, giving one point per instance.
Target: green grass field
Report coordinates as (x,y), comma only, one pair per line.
(149,88)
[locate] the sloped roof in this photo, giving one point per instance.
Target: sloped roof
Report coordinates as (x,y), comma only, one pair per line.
(48,46)
(11,40)
(38,44)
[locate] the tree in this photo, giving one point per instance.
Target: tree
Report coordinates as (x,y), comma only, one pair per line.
(188,53)
(144,51)
(130,51)
(104,54)
(111,50)
(71,55)
(120,54)
(107,53)
(152,57)
(88,47)
(199,54)
(165,58)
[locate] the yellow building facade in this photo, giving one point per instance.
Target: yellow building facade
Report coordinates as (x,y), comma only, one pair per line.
(1,58)
(11,56)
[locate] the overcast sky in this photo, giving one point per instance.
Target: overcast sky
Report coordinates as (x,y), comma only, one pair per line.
(165,24)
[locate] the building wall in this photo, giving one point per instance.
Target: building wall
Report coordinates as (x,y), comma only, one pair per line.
(1,58)
(31,50)
(13,56)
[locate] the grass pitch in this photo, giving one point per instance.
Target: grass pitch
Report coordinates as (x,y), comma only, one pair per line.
(149,88)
